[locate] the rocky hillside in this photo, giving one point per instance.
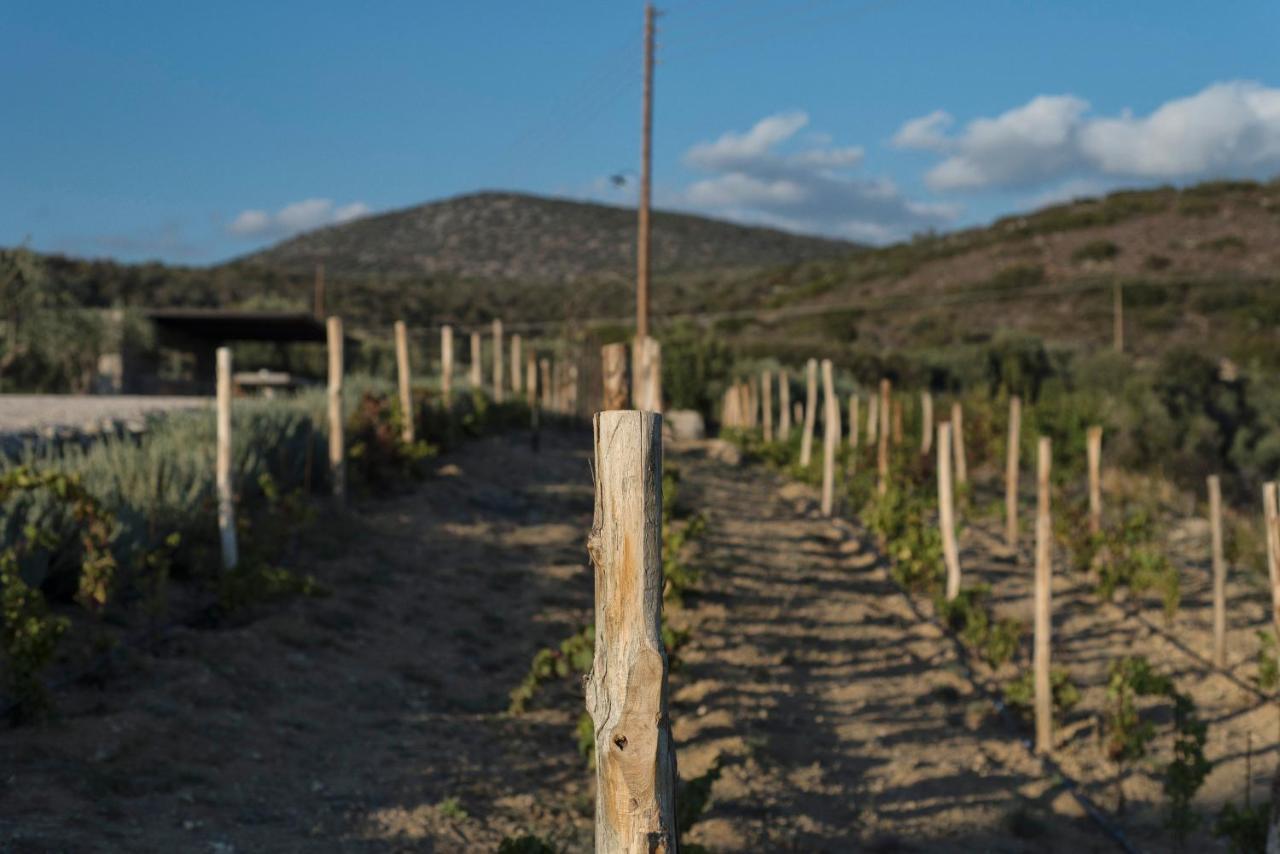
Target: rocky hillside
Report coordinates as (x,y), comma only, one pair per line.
(515,237)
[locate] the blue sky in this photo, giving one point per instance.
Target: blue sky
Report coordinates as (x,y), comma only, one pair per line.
(196,132)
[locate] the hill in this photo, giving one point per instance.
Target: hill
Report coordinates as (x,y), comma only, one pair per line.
(532,239)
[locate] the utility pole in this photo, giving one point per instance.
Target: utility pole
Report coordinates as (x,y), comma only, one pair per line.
(642,235)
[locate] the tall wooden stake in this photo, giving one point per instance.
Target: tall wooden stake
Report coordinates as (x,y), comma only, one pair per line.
(926,422)
(766,404)
(873,418)
(854,427)
(810,412)
(477,378)
(1272,521)
(337,437)
(882,448)
(784,406)
(517,364)
(499,363)
(226,491)
(446,364)
(1011,473)
(957,443)
(531,379)
(830,437)
(646,162)
(646,374)
(404,382)
(947,513)
(1043,611)
(1219,573)
(613,361)
(626,691)
(1093,443)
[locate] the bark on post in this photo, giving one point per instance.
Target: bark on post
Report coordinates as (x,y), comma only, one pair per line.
(499,363)
(477,379)
(1272,522)
(626,691)
(1093,442)
(404,380)
(646,374)
(446,364)
(947,513)
(766,404)
(926,422)
(810,412)
(1043,612)
(337,438)
(784,406)
(957,444)
(882,448)
(517,364)
(613,360)
(1011,473)
(222,471)
(1219,573)
(830,437)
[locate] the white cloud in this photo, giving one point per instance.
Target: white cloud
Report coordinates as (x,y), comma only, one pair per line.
(294,217)
(1226,130)
(804,190)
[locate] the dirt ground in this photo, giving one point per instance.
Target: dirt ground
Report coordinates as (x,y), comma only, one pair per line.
(373,719)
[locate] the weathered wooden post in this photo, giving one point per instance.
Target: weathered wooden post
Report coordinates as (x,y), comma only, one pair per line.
(544,370)
(882,448)
(477,378)
(1011,473)
(1272,521)
(957,443)
(830,437)
(853,423)
(897,421)
(947,513)
(926,422)
(1093,443)
(337,437)
(222,470)
(873,418)
(1043,609)
(517,363)
(446,364)
(646,374)
(810,412)
(404,381)
(1219,573)
(499,363)
(784,406)
(753,402)
(531,379)
(766,404)
(613,359)
(626,691)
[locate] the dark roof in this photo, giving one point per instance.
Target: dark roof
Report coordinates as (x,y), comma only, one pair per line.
(217,324)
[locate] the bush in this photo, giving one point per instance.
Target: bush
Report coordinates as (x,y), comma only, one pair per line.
(1096,250)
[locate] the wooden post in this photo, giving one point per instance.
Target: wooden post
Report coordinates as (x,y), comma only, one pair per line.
(853,422)
(1043,612)
(571,389)
(499,363)
(446,364)
(531,380)
(476,376)
(766,404)
(897,421)
(1272,521)
(646,374)
(613,360)
(404,381)
(1011,473)
(1219,573)
(810,412)
(947,513)
(1117,319)
(882,449)
(957,443)
(926,422)
(873,418)
(753,402)
(337,438)
(784,406)
(544,371)
(226,494)
(626,690)
(830,437)
(517,364)
(1093,443)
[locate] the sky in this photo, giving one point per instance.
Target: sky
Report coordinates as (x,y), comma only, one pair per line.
(193,133)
